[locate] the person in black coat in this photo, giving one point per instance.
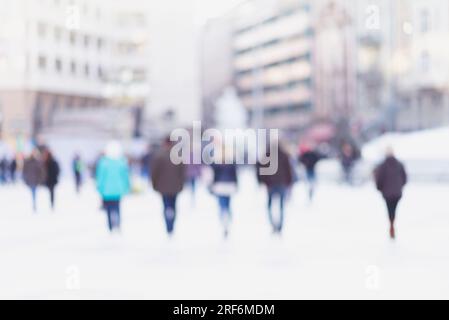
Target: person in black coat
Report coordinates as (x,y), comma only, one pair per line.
(278,185)
(309,158)
(391,179)
(52,172)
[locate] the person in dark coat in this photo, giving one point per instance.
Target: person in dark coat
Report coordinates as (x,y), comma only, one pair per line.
(52,171)
(13,169)
(309,158)
(277,185)
(168,179)
(391,179)
(348,158)
(3,170)
(34,174)
(78,172)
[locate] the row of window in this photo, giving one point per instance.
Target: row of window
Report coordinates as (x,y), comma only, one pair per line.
(279,88)
(60,35)
(293,108)
(274,19)
(75,68)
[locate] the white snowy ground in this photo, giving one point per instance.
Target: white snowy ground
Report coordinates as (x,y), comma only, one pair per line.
(336,248)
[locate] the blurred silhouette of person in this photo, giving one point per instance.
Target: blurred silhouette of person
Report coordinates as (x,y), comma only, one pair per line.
(168,180)
(277,185)
(52,171)
(309,158)
(391,179)
(78,171)
(224,186)
(145,163)
(113,182)
(34,174)
(13,169)
(3,170)
(348,159)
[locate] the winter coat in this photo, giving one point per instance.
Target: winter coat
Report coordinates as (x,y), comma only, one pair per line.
(113,178)
(168,178)
(225,179)
(33,172)
(52,171)
(391,178)
(284,175)
(310,159)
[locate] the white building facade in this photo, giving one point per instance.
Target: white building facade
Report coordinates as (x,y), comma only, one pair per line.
(57,54)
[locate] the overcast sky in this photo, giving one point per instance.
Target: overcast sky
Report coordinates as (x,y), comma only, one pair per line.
(207,9)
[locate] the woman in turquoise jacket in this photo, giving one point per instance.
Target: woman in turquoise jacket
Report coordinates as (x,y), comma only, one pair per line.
(113,182)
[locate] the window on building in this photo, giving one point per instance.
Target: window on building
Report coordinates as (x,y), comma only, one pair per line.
(42,62)
(41,30)
(100,43)
(73,67)
(425,21)
(58,65)
(86,41)
(58,34)
(73,37)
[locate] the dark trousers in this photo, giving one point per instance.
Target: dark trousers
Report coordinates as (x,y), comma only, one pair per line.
(225,205)
(392,205)
(78,181)
(51,189)
(280,192)
(169,202)
(311,179)
(112,208)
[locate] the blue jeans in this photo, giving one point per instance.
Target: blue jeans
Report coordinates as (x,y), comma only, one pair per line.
(34,197)
(113,211)
(281,192)
(225,205)
(311,179)
(169,212)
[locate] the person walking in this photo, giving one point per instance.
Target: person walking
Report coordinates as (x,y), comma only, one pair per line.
(277,185)
(309,158)
(224,186)
(391,179)
(13,169)
(168,180)
(3,170)
(78,171)
(52,171)
(113,183)
(34,174)
(348,159)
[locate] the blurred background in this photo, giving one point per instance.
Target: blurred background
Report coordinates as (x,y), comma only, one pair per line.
(75,73)
(366,74)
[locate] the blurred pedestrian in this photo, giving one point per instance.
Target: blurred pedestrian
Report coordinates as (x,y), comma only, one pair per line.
(13,169)
(113,183)
(78,172)
(145,163)
(348,159)
(277,185)
(168,179)
(391,179)
(309,158)
(52,171)
(224,186)
(3,170)
(34,174)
